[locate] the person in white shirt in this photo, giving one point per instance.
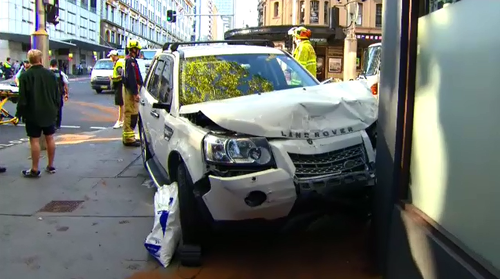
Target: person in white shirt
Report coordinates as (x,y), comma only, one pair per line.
(24,67)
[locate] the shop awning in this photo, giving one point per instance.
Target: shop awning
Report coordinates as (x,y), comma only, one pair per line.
(88,45)
(26,39)
(280,32)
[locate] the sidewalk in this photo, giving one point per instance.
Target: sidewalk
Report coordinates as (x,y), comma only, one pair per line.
(102,237)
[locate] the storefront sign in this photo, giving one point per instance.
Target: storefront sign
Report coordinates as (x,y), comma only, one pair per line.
(318,40)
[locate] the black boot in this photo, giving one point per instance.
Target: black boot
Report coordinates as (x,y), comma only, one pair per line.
(132,143)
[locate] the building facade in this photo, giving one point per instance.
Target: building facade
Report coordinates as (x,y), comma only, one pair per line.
(145,20)
(317,13)
(74,41)
(227,7)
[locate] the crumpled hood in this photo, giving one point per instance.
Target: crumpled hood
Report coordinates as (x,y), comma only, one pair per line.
(310,112)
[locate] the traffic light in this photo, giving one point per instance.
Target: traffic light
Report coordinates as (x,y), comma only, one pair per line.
(171,16)
(52,12)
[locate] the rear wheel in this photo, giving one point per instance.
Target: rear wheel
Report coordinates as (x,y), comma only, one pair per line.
(191,221)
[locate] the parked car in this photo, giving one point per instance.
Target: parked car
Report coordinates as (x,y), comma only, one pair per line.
(100,76)
(244,144)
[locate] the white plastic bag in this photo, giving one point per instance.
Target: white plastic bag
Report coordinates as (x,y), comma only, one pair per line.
(166,234)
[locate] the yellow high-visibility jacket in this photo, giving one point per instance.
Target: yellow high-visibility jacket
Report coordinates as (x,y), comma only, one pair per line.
(305,54)
(117,72)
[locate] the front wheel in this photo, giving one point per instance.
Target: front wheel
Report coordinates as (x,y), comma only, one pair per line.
(191,221)
(98,91)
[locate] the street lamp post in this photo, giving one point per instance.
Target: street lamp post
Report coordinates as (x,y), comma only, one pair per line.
(350,42)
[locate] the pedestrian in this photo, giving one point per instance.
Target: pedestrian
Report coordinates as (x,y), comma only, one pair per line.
(117,85)
(63,86)
(132,82)
(38,106)
(7,69)
(24,67)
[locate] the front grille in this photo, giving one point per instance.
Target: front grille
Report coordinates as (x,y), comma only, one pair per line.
(101,79)
(341,162)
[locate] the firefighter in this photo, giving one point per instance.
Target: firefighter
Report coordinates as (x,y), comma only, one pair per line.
(132,82)
(116,81)
(304,52)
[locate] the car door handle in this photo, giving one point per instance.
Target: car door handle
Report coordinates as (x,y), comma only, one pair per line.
(155,114)
(142,102)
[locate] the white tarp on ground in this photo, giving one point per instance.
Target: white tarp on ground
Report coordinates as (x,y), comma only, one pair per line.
(318,111)
(166,233)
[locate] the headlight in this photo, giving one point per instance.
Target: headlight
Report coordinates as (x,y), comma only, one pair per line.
(230,150)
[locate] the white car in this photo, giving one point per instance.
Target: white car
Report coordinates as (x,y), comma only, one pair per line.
(144,60)
(100,75)
(244,144)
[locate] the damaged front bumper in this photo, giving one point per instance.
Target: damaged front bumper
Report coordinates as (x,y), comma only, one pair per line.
(301,170)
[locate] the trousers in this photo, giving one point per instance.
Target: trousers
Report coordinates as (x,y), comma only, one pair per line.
(131,113)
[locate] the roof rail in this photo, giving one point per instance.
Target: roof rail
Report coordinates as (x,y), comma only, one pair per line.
(256,42)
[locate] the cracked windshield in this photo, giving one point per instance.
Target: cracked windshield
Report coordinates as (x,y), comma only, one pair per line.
(227,76)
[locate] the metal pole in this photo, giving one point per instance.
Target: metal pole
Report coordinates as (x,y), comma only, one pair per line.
(40,41)
(350,42)
(294,12)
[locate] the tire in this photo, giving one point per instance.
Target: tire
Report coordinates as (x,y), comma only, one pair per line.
(145,153)
(193,228)
(98,91)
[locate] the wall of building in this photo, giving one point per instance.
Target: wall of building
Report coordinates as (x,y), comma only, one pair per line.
(146,21)
(206,26)
(455,152)
(436,153)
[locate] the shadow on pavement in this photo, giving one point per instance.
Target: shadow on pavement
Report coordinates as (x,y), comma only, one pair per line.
(338,249)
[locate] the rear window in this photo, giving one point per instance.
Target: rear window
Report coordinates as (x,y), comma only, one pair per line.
(104,65)
(221,77)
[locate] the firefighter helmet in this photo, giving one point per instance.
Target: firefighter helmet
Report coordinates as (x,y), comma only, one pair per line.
(133,44)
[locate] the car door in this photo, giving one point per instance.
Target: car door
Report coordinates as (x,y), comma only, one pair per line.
(149,115)
(165,96)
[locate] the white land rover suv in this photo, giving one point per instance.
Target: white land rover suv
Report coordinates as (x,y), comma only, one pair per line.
(249,135)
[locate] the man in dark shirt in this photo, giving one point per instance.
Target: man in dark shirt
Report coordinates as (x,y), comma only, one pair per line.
(132,82)
(38,106)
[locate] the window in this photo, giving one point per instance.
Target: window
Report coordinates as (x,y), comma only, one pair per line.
(104,65)
(378,15)
(326,16)
(166,85)
(237,75)
(302,12)
(359,20)
(276,9)
(314,13)
(155,78)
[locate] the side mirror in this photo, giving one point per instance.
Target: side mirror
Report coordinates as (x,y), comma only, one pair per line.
(159,105)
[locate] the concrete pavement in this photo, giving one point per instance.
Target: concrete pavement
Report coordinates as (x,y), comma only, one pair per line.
(102,237)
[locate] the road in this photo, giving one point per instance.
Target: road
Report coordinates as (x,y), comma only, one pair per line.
(84,111)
